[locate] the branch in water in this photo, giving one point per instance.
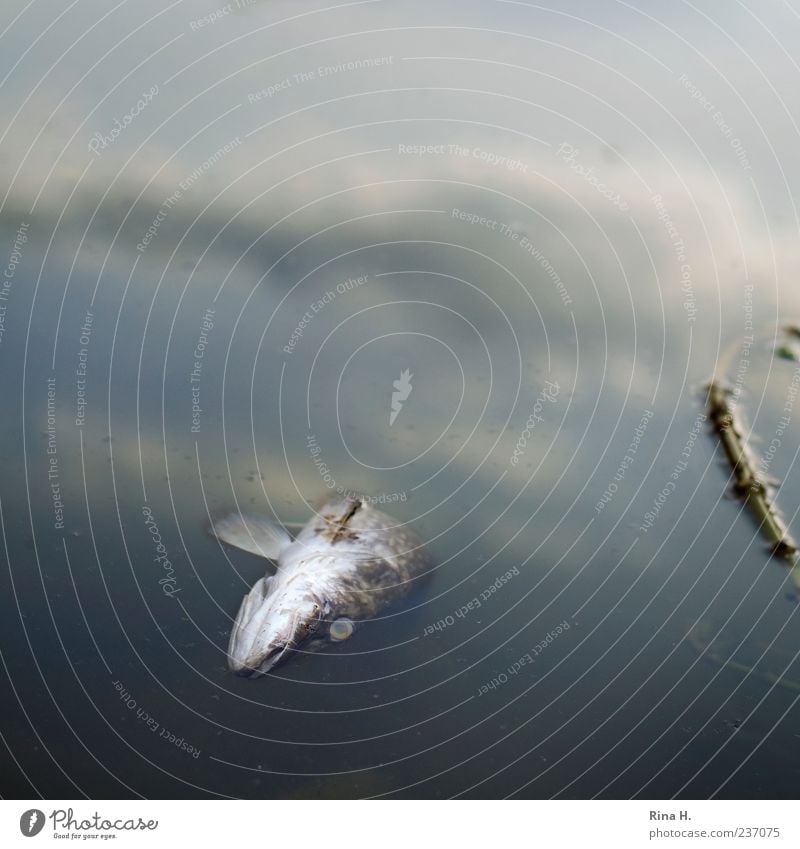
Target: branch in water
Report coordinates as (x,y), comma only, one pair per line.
(749,485)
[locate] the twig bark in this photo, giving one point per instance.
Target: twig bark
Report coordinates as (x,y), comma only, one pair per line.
(756,492)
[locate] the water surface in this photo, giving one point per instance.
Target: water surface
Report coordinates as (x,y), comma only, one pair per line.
(561,222)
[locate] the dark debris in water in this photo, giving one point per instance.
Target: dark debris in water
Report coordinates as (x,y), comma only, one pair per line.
(787,352)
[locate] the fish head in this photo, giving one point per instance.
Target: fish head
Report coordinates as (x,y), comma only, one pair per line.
(270,628)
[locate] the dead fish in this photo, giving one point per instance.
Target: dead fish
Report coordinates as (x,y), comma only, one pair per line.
(348,562)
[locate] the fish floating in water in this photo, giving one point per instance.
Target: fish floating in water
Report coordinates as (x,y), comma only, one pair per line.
(347,563)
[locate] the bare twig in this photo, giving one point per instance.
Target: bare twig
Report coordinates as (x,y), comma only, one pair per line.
(756,492)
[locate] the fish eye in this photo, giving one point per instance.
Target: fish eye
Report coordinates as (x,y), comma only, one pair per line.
(342,629)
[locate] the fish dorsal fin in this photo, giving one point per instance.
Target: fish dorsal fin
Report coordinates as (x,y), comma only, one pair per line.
(255,534)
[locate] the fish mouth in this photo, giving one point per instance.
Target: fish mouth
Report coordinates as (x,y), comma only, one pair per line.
(255,667)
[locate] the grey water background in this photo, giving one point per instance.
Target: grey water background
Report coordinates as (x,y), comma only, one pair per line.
(639,236)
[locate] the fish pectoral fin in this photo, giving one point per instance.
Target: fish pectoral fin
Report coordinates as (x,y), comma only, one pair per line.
(238,642)
(255,534)
(252,601)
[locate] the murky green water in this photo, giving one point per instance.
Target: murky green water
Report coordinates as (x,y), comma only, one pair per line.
(561,223)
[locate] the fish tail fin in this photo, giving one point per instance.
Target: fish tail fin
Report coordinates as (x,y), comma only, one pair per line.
(255,534)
